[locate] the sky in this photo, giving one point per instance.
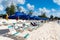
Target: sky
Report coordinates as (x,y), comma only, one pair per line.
(50,7)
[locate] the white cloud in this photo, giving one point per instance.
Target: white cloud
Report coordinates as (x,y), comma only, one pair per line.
(57,13)
(53,10)
(8,2)
(0,1)
(48,12)
(57,1)
(21,1)
(41,10)
(30,7)
(35,13)
(44,10)
(5,3)
(23,9)
(1,8)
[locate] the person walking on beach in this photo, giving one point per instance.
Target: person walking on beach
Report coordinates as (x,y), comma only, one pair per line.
(6,16)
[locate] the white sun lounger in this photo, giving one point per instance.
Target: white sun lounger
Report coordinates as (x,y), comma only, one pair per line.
(26,35)
(13,31)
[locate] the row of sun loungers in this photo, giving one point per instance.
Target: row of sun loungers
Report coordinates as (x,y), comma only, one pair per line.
(16,29)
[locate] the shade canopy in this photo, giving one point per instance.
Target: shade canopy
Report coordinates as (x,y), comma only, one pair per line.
(24,16)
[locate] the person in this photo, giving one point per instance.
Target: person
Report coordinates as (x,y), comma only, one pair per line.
(6,16)
(33,23)
(17,18)
(58,21)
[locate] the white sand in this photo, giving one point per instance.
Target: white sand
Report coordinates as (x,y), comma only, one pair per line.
(5,38)
(9,22)
(49,31)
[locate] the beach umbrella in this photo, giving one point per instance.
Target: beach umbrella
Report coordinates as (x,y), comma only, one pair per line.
(34,18)
(22,15)
(12,17)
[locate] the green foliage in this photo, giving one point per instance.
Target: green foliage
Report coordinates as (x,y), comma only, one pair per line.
(30,12)
(10,10)
(4,16)
(55,18)
(43,15)
(51,17)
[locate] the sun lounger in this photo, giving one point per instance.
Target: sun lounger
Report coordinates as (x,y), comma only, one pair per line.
(33,24)
(5,24)
(24,26)
(26,35)
(17,34)
(14,23)
(13,31)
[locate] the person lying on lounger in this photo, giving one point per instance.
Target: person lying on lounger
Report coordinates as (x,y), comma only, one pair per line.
(33,23)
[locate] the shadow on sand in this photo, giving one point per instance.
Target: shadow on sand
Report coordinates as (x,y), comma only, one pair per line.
(5,34)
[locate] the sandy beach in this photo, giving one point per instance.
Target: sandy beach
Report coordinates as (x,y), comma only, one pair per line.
(29,19)
(48,31)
